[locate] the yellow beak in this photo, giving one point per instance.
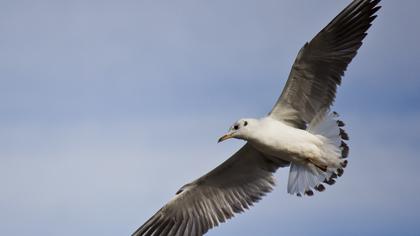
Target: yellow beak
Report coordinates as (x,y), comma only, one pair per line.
(224,137)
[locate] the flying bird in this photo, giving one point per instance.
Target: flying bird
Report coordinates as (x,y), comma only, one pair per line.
(300,132)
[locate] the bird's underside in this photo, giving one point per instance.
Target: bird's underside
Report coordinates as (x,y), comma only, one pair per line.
(247,175)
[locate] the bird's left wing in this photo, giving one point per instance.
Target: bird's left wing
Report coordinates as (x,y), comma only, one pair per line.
(321,63)
(202,204)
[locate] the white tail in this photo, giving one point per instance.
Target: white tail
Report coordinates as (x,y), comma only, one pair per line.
(303,178)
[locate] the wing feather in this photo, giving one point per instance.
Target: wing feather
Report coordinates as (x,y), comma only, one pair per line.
(230,188)
(320,64)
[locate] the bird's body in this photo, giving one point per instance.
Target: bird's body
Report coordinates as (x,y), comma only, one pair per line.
(277,139)
(299,132)
(315,153)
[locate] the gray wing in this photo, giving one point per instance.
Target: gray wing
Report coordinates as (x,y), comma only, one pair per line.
(320,64)
(201,205)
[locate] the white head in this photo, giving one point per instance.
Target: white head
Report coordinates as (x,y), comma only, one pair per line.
(241,129)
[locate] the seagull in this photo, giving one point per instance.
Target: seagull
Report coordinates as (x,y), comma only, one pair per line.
(300,132)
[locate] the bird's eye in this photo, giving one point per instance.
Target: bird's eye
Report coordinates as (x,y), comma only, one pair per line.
(236,127)
(245,123)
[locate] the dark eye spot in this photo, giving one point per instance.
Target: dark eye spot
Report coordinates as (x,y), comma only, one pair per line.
(245,123)
(236,127)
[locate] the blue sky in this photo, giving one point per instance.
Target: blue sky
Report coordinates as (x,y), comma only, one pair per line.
(108,107)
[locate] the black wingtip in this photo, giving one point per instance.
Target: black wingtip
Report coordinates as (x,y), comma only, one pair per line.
(320,188)
(343,134)
(344,150)
(309,193)
(340,172)
(329,181)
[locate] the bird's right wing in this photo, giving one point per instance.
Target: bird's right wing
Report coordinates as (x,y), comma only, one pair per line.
(230,188)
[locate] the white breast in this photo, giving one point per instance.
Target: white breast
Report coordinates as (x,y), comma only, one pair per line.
(277,139)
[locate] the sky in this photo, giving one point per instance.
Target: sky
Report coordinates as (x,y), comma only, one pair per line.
(108,107)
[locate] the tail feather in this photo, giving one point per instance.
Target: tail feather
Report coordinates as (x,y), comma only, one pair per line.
(303,178)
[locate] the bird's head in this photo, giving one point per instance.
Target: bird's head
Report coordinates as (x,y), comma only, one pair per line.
(241,129)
